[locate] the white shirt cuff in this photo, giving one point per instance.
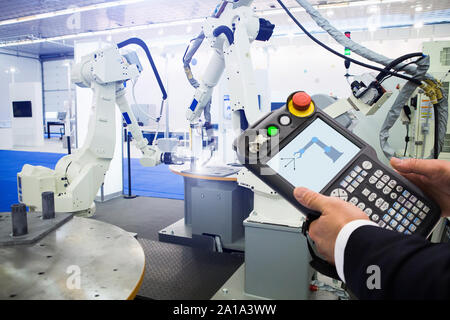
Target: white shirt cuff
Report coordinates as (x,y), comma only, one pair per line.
(341,243)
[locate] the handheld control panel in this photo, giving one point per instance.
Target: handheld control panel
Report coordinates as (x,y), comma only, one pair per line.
(299,145)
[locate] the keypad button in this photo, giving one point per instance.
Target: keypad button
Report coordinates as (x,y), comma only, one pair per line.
(354,201)
(392,183)
(365,192)
(393,223)
(417,221)
(392,212)
(363,173)
(367,165)
(399,188)
(405,222)
(410,216)
(393,195)
(372,180)
(348,179)
(344,184)
(388,228)
(415,210)
(403,211)
(407,232)
(384,206)
(359,179)
(353,174)
(379,185)
(401,200)
(413,199)
(368,211)
(396,206)
(350,189)
(412,227)
(355,184)
(357,169)
(408,205)
(339,193)
(386,218)
(372,196)
(361,205)
(378,173)
(406,194)
(419,204)
(285,120)
(422,215)
(375,217)
(426,209)
(400,228)
(385,178)
(387,190)
(381,224)
(398,217)
(379,202)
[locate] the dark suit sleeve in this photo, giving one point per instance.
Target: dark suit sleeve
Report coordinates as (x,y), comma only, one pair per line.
(410,266)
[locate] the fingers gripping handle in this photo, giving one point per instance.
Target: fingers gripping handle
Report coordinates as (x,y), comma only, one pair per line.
(317,263)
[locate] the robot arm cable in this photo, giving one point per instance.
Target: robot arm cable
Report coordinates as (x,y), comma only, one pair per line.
(341,55)
(142,44)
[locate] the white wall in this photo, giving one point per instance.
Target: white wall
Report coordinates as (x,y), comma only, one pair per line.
(56,92)
(27,131)
(26,70)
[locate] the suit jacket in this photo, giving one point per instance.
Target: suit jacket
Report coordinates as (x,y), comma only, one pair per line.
(410,267)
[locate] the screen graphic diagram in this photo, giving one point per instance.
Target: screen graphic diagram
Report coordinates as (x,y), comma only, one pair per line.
(314,157)
(330,151)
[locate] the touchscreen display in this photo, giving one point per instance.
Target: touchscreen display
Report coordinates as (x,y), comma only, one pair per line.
(314,157)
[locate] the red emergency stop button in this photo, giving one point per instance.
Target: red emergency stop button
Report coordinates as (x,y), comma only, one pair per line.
(300,104)
(301,101)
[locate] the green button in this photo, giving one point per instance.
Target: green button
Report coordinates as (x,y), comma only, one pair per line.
(272,131)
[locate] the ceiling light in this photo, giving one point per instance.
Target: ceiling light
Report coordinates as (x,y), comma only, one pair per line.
(418,9)
(373,28)
(100,32)
(418,24)
(70,10)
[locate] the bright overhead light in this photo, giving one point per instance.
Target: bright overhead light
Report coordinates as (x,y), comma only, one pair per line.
(360,3)
(155,25)
(373,28)
(419,9)
(70,10)
(418,24)
(101,32)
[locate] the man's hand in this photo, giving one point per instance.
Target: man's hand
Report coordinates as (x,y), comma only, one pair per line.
(432,176)
(336,213)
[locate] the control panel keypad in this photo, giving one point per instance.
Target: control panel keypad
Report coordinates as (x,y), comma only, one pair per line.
(384,200)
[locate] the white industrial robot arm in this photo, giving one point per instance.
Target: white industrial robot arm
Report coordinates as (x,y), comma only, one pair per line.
(230,33)
(77,177)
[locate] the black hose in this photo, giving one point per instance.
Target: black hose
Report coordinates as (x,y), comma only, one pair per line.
(341,55)
(406,140)
(142,44)
(436,132)
(395,62)
(403,67)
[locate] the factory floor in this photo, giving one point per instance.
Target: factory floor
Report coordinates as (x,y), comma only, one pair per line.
(173,272)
